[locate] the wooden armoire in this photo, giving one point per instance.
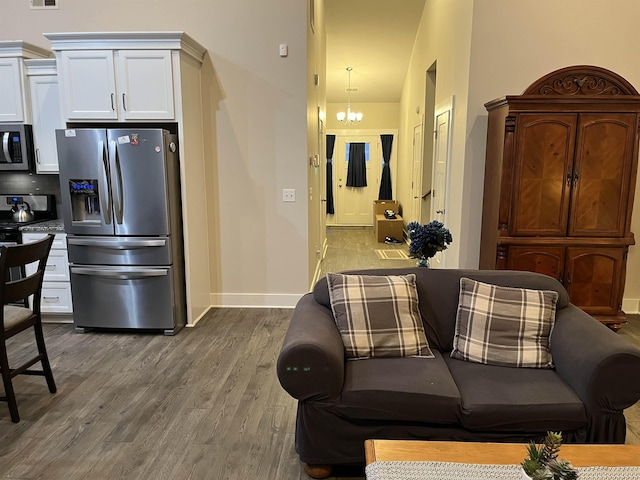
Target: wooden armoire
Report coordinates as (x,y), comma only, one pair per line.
(560,178)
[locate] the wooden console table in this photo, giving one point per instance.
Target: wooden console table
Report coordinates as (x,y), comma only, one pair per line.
(496,453)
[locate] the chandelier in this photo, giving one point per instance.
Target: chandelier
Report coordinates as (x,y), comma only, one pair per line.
(349,117)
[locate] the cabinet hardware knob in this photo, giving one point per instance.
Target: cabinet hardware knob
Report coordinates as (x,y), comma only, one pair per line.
(113,106)
(439,211)
(124,101)
(38,156)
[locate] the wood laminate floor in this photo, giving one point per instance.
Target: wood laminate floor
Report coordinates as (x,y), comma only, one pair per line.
(204,404)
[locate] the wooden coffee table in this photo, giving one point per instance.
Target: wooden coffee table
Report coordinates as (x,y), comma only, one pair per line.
(496,453)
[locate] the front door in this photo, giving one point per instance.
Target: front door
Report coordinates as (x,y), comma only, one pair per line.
(355,204)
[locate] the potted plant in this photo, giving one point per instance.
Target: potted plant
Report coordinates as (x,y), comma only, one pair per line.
(427,240)
(543,464)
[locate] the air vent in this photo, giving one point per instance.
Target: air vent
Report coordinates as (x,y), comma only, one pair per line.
(42,4)
(351,89)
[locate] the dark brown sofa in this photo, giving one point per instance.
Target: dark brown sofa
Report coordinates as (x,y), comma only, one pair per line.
(342,403)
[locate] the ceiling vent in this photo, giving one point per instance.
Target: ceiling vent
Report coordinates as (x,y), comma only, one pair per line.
(41,4)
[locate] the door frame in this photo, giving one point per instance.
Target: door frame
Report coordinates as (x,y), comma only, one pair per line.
(332,219)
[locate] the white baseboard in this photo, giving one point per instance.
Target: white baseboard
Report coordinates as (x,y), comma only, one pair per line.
(631,305)
(255,300)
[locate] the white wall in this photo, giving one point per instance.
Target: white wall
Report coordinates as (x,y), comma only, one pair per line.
(375,116)
(258,133)
(444,36)
(514,44)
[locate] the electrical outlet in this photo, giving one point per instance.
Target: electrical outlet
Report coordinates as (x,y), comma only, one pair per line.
(288,194)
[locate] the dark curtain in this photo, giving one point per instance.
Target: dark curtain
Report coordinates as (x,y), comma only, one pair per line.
(331,141)
(385,182)
(357,170)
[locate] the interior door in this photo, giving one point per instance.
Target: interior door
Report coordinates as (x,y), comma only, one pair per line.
(354,204)
(416,177)
(441,155)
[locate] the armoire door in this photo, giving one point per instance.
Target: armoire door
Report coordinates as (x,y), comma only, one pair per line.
(594,278)
(601,175)
(545,146)
(546,260)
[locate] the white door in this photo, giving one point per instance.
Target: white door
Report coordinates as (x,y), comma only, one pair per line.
(416,176)
(10,91)
(441,156)
(88,82)
(354,205)
(145,83)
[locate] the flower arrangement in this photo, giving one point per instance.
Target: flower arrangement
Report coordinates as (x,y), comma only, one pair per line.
(427,240)
(543,464)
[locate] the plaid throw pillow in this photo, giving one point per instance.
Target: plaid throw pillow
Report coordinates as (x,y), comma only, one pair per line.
(378,315)
(504,326)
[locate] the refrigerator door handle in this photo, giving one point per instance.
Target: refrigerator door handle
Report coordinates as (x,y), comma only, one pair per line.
(121,244)
(116,182)
(105,199)
(121,274)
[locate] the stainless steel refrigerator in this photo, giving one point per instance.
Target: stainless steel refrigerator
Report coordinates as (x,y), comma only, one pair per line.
(120,195)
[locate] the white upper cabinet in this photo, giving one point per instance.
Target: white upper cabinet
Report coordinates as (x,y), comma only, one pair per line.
(121,76)
(145,80)
(14,91)
(88,83)
(46,112)
(11,92)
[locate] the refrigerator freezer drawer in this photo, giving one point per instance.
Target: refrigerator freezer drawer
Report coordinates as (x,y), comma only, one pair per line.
(124,297)
(119,250)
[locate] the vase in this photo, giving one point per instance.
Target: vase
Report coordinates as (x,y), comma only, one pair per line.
(423,262)
(523,475)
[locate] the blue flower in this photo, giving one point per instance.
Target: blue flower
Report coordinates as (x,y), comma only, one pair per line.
(429,239)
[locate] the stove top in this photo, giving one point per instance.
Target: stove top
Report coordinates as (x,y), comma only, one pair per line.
(42,206)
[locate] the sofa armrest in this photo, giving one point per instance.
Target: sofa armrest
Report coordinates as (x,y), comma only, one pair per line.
(602,367)
(311,360)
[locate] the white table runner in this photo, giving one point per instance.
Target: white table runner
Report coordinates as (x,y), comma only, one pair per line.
(469,471)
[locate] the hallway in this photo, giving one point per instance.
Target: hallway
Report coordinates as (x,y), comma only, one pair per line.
(351,248)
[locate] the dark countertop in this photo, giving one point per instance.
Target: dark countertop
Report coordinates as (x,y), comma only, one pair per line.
(53,226)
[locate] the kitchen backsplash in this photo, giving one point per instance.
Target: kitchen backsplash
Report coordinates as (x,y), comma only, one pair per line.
(24,183)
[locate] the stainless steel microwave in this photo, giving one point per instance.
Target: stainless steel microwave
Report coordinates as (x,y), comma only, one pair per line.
(16,147)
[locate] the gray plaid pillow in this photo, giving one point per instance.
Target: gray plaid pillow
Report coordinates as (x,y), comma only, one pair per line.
(504,326)
(378,315)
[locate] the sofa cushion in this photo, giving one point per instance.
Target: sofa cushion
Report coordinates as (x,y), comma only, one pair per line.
(515,399)
(504,325)
(401,389)
(378,315)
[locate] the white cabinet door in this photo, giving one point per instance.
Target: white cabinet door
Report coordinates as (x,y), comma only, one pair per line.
(56,289)
(145,85)
(47,117)
(11,90)
(88,85)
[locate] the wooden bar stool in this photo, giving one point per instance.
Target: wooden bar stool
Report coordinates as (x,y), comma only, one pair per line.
(15,319)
